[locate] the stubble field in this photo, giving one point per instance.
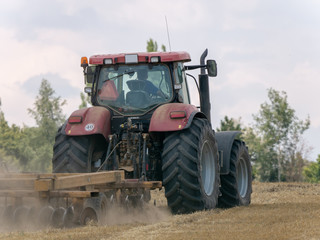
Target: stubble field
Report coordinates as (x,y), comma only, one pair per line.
(277,211)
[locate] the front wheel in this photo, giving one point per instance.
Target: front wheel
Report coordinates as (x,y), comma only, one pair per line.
(236,187)
(190,168)
(76,154)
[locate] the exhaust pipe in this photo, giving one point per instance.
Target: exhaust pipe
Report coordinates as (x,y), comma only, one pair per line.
(205,105)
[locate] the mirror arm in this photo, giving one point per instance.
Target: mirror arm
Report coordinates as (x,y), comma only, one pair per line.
(192,67)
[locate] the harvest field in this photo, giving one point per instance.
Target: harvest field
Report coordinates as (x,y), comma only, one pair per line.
(277,211)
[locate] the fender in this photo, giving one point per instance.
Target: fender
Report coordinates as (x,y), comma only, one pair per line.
(225,141)
(173,117)
(88,121)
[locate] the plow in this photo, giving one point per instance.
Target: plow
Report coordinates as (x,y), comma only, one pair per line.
(67,199)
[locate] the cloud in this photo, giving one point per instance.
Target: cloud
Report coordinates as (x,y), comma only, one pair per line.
(61,86)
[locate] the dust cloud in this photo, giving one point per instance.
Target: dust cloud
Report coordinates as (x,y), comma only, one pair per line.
(32,215)
(149,214)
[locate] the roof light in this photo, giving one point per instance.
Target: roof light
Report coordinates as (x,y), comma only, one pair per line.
(131,58)
(84,62)
(178,114)
(107,61)
(155,59)
(75,119)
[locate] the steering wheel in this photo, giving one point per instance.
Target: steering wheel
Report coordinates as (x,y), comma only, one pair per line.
(136,85)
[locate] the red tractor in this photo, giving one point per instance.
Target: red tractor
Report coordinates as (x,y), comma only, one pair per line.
(142,122)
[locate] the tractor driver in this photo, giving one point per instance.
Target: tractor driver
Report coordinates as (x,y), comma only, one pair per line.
(149,86)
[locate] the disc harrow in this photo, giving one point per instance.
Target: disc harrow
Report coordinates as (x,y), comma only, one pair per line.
(67,199)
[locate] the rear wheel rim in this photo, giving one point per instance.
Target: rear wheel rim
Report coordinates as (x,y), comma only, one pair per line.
(208,171)
(242,177)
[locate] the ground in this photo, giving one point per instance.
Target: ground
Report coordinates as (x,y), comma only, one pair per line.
(277,211)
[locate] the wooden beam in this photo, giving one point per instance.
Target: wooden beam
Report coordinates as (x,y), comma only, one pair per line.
(87,179)
(51,194)
(19,193)
(35,175)
(45,184)
(128,184)
(16,183)
(69,194)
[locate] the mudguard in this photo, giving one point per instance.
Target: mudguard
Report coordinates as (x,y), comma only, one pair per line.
(162,119)
(93,120)
(225,142)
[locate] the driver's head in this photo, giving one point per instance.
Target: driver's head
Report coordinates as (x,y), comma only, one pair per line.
(142,74)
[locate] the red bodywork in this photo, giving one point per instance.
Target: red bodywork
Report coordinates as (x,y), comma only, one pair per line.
(142,57)
(172,117)
(94,120)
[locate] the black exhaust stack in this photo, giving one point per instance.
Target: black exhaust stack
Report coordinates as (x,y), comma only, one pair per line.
(205,105)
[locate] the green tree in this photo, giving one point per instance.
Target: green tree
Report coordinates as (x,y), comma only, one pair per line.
(85,100)
(230,124)
(275,137)
(311,172)
(47,110)
(48,115)
(152,46)
(10,138)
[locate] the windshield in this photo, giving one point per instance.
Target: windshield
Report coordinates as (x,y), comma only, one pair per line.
(134,89)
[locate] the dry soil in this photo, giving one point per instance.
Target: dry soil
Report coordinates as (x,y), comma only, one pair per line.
(277,211)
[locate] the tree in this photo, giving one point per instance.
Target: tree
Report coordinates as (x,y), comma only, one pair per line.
(85,100)
(275,138)
(47,110)
(30,148)
(48,115)
(311,172)
(230,124)
(152,46)
(10,140)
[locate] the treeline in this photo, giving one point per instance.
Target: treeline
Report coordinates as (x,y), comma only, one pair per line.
(30,148)
(275,141)
(278,151)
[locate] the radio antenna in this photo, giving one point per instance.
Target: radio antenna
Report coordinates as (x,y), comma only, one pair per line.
(168,33)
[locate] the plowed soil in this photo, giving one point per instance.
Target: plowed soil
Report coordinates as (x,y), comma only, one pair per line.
(277,211)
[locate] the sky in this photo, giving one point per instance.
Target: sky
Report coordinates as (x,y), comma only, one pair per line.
(257,44)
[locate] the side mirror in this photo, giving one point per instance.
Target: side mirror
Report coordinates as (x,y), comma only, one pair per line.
(90,73)
(212,68)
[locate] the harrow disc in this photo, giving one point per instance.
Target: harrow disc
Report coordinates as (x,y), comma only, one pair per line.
(7,215)
(94,210)
(88,215)
(68,217)
(57,217)
(20,216)
(45,215)
(32,215)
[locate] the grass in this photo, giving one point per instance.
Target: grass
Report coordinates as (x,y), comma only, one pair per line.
(277,211)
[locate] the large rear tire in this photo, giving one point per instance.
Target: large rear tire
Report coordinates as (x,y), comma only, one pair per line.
(76,154)
(236,187)
(190,168)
